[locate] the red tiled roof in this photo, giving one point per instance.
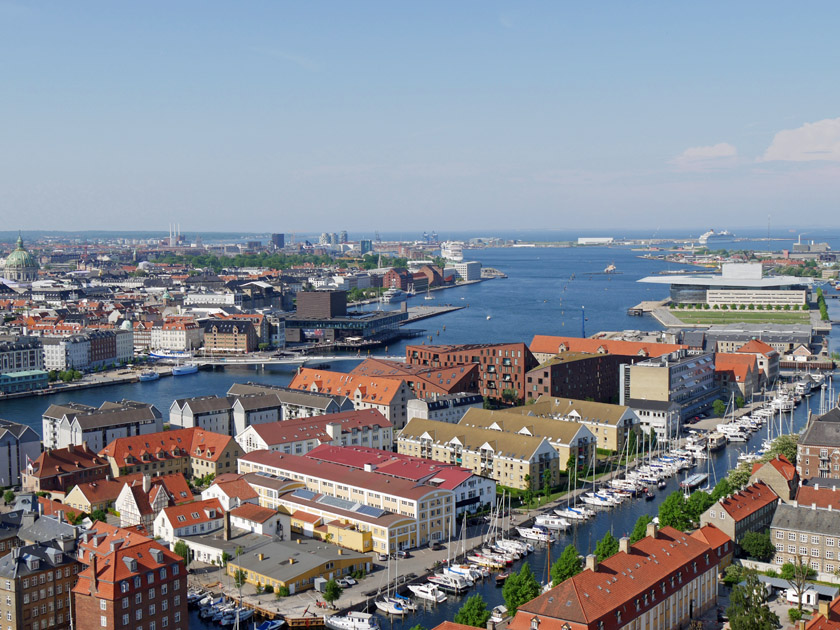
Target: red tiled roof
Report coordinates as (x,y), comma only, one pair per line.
(106,489)
(823,496)
(831,622)
(738,365)
(251,512)
(165,445)
(712,536)
(65,460)
(756,346)
(780,463)
(236,488)
(50,507)
(751,499)
(112,545)
(315,427)
(549,344)
(373,389)
(306,517)
(619,582)
(194,513)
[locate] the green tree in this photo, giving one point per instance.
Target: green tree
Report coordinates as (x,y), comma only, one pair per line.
(332,591)
(673,512)
(239,577)
(419,627)
(748,609)
(8,497)
(606,547)
(740,475)
(259,589)
(697,503)
(99,515)
(281,592)
(510,396)
(226,557)
(473,613)
(722,489)
(546,483)
(758,545)
(183,550)
(520,588)
(784,445)
(567,565)
(739,402)
(640,528)
(719,407)
(797,574)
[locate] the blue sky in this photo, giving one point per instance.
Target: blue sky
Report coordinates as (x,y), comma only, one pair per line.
(309,116)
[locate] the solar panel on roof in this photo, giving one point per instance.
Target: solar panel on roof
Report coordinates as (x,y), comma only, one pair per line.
(370,511)
(340,503)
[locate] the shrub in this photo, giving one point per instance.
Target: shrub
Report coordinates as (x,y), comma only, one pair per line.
(282,591)
(268,588)
(794,614)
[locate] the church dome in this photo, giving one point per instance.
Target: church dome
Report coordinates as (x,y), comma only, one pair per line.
(20,264)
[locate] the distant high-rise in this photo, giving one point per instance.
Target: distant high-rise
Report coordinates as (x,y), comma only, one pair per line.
(342,236)
(278,240)
(366,245)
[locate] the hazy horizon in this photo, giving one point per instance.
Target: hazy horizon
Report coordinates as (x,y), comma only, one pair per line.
(307,117)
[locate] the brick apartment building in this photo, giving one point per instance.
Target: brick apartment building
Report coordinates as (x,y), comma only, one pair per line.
(221,335)
(500,366)
(35,585)
(818,450)
(578,375)
(58,470)
(130,583)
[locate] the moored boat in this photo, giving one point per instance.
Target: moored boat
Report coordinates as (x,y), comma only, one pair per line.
(351,621)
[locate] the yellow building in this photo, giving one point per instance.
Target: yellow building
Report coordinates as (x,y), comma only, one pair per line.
(512,459)
(610,424)
(429,511)
(297,564)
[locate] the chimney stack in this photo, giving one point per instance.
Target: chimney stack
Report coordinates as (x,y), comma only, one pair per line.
(824,608)
(93,579)
(147,483)
(226,527)
(592,562)
(624,544)
(651,530)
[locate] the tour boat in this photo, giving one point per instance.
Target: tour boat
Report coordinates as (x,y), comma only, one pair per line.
(148,375)
(552,522)
(534,533)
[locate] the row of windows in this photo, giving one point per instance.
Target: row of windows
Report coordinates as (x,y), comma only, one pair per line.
(815,540)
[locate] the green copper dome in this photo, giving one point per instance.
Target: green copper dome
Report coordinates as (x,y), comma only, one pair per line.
(20,258)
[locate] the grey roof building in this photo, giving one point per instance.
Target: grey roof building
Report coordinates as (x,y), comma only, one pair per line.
(808,533)
(75,424)
(19,444)
(818,450)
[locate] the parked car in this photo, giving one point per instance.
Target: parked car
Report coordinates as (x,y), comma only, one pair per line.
(350,580)
(437,546)
(383,557)
(343,583)
(402,554)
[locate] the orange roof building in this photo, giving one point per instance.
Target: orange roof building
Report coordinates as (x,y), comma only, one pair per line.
(546,346)
(737,373)
(192,452)
(748,510)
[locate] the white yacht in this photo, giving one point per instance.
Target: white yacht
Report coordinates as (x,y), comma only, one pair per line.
(429,592)
(351,621)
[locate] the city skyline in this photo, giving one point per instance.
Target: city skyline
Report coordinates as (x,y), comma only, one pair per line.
(374,116)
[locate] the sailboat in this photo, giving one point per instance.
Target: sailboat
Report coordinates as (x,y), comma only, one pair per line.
(386,603)
(428,295)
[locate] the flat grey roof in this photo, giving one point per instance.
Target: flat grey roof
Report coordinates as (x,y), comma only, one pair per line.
(713,281)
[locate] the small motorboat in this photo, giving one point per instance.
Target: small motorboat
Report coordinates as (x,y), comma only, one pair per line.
(649,496)
(350,621)
(148,375)
(501,577)
(429,592)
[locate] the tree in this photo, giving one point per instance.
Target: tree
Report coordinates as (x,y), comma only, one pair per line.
(183,550)
(281,592)
(258,588)
(784,445)
(758,545)
(226,557)
(697,503)
(722,489)
(739,402)
(606,547)
(546,481)
(748,609)
(239,577)
(673,512)
(566,566)
(739,477)
(99,515)
(473,613)
(510,396)
(332,591)
(640,528)
(419,627)
(520,588)
(8,497)
(797,575)
(719,407)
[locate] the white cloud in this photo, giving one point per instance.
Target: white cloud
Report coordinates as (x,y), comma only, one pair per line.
(702,158)
(812,141)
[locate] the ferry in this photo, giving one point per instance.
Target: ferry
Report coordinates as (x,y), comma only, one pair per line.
(171,354)
(452,250)
(148,375)
(694,480)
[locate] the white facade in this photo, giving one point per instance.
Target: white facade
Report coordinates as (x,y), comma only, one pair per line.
(447,408)
(190,413)
(177,337)
(469,270)
(19,445)
(213,299)
(172,532)
(745,296)
(228,502)
(125,345)
(66,353)
(244,418)
(276,525)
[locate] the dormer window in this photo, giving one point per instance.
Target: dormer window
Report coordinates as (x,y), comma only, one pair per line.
(535,623)
(618,616)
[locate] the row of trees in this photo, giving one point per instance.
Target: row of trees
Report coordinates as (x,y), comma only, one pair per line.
(744,307)
(822,305)
(278,261)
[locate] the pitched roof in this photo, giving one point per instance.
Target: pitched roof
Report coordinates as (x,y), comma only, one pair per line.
(822,496)
(121,553)
(333,472)
(372,389)
(164,445)
(756,346)
(749,500)
(805,519)
(205,404)
(194,513)
(738,365)
(823,431)
(780,463)
(49,507)
(568,408)
(251,512)
(287,395)
(823,622)
(557,430)
(61,461)
(106,489)
(315,427)
(236,488)
(549,344)
(620,580)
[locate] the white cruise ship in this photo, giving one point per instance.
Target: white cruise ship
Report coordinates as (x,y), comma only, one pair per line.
(452,250)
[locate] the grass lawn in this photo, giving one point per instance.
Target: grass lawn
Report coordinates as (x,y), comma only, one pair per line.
(691,316)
